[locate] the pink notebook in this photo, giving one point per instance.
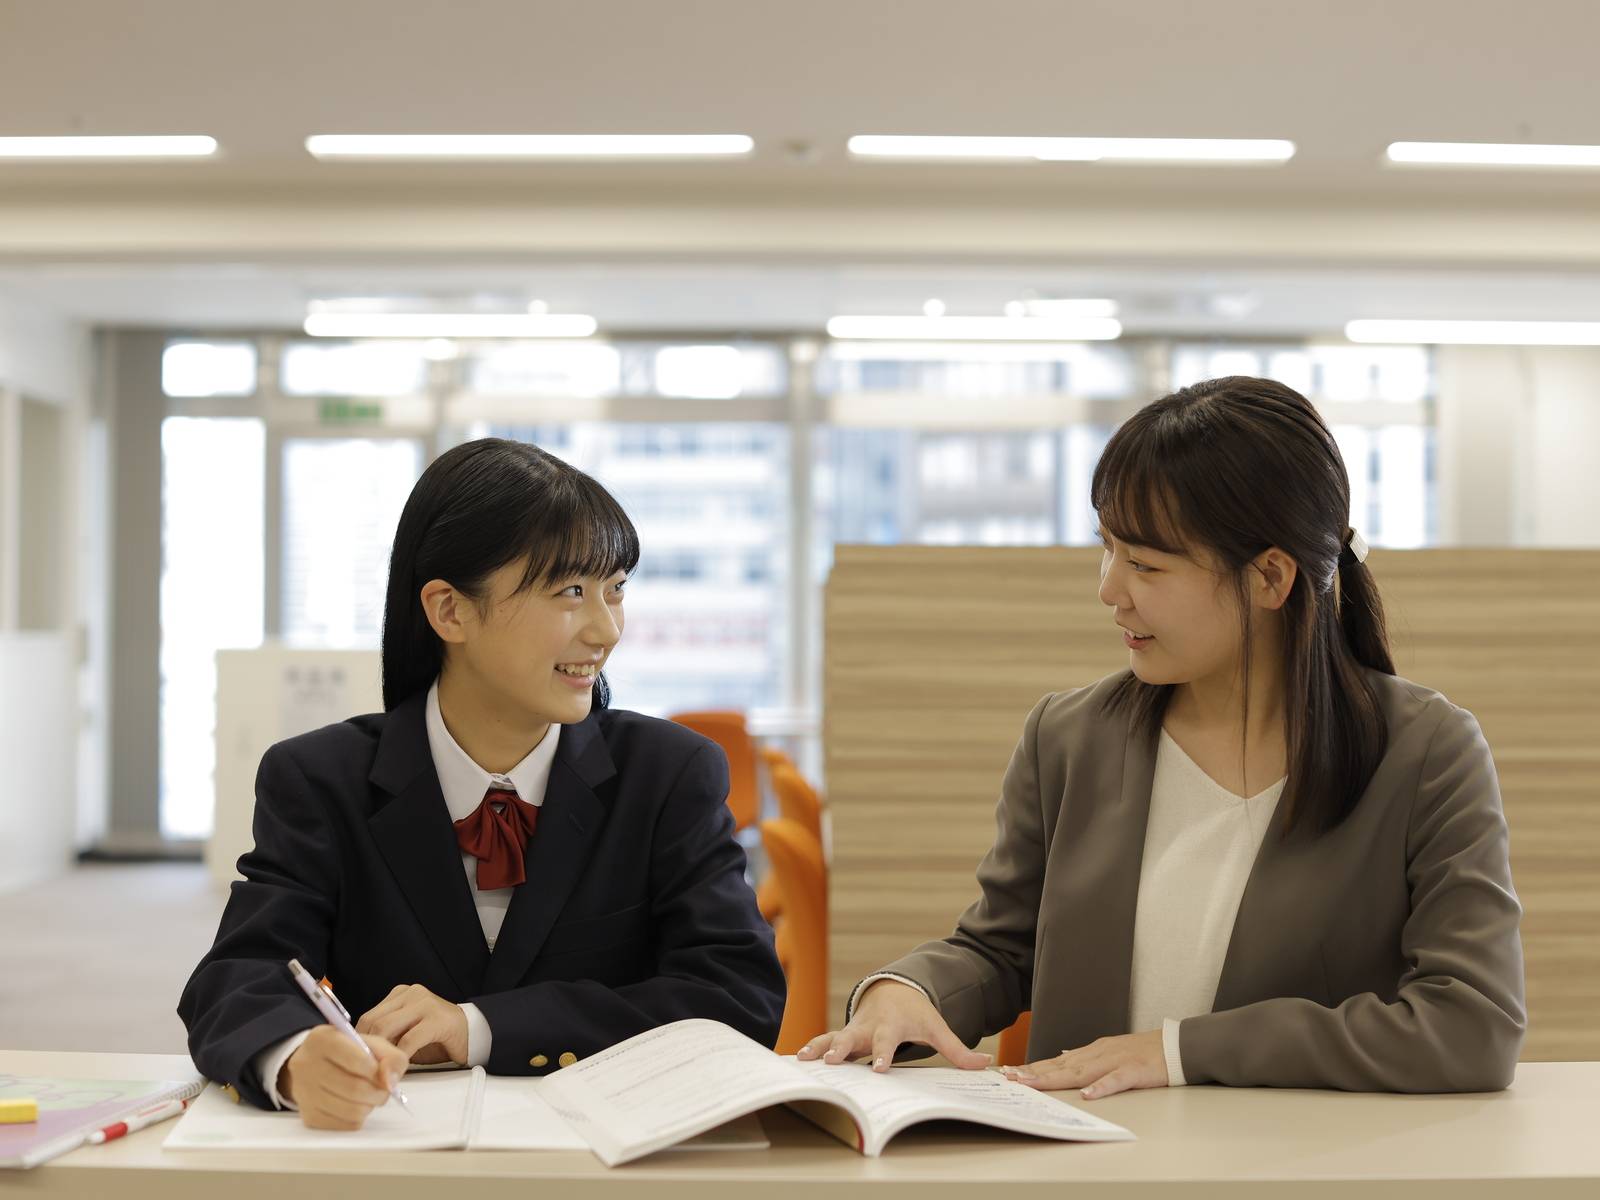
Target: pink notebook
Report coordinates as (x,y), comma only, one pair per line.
(71,1109)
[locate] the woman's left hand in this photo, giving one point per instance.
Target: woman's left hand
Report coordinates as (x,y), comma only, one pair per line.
(1104,1067)
(426,1028)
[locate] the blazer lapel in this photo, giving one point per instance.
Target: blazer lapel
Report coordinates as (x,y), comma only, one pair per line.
(1095,891)
(1116,898)
(570,820)
(414,834)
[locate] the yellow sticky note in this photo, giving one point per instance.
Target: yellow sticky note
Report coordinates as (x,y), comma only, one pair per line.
(18,1112)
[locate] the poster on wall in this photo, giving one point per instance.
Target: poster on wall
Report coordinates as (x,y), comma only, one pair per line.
(312,696)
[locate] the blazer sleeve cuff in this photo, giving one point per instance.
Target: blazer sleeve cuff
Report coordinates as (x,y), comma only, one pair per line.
(1170,1050)
(270,1061)
(860,989)
(479,1035)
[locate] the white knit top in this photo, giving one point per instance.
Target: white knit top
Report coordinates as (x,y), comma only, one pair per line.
(1199,847)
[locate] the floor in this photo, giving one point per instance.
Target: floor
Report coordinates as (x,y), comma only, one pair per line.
(96,959)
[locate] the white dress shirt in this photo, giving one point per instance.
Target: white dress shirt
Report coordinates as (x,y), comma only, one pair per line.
(1199,847)
(464,784)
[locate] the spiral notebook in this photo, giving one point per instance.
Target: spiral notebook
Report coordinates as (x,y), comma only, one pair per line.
(71,1109)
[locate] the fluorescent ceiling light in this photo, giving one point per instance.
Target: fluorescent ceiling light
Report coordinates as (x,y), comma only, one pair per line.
(1076,149)
(1491,154)
(527,145)
(1477,333)
(987,352)
(986,329)
(448,325)
(108,147)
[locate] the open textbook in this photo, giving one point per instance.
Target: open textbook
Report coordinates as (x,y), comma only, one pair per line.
(668,1084)
(688,1080)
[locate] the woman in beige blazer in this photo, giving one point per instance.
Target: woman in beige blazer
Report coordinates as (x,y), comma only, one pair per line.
(1168,912)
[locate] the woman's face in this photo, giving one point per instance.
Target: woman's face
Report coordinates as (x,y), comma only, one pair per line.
(534,655)
(1178,617)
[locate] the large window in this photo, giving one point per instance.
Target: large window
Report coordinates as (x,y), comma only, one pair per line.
(341,500)
(741,462)
(212,565)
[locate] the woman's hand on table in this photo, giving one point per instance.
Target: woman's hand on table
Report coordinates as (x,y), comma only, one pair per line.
(888,1015)
(1104,1067)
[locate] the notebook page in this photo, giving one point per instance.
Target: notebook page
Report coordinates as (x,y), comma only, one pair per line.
(445,1107)
(516,1117)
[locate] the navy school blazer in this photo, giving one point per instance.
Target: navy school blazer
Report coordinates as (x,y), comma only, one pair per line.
(635,913)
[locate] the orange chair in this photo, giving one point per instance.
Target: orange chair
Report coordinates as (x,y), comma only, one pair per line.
(728,730)
(1013,1049)
(797,800)
(796,858)
(783,946)
(769,898)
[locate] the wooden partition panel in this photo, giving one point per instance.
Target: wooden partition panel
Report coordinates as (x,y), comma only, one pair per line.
(934,656)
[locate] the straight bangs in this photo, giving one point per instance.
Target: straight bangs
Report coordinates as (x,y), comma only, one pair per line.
(1132,492)
(576,531)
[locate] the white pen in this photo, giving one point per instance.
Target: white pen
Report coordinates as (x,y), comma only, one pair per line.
(338,1016)
(140,1120)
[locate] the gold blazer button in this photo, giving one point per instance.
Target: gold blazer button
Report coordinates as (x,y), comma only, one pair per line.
(538,1060)
(231,1092)
(567,1059)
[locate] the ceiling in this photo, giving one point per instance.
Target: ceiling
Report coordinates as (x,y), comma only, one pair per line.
(1340,79)
(798,232)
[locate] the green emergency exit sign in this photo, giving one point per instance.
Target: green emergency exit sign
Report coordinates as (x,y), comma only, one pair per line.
(348,412)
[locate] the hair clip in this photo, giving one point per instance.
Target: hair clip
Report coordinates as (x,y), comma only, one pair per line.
(1357,546)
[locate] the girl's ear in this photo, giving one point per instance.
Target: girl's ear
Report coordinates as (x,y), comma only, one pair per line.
(1275,574)
(443,606)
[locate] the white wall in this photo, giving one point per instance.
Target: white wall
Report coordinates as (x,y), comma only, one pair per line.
(43,355)
(1519,446)
(45,371)
(38,733)
(1565,435)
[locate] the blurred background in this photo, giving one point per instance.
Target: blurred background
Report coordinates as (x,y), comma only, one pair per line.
(783,277)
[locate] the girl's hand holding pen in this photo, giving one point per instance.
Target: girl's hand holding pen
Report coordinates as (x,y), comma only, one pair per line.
(333,1082)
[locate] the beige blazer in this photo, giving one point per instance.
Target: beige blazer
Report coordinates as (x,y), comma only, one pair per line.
(1383,956)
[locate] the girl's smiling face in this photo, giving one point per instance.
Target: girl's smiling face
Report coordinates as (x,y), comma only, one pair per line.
(533,654)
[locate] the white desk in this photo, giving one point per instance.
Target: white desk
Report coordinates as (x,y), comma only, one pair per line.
(1539,1139)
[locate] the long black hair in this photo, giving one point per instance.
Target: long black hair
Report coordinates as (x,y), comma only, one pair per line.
(478,507)
(1238,465)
